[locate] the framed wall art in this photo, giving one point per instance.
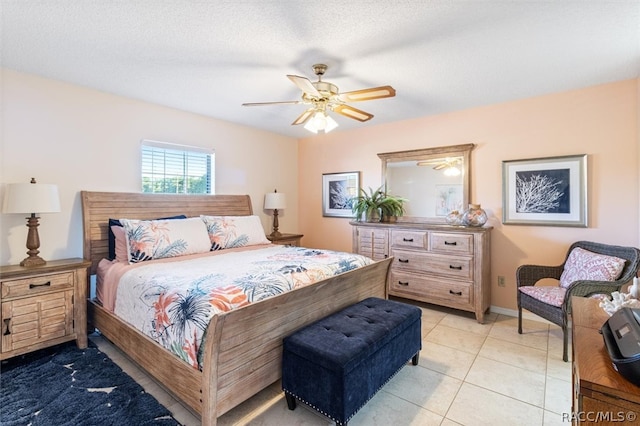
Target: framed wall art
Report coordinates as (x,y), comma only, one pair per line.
(545,191)
(338,190)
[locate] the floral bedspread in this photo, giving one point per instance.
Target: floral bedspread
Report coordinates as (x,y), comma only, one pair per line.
(173,302)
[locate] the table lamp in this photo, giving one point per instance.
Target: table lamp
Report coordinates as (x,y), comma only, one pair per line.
(275,201)
(31,198)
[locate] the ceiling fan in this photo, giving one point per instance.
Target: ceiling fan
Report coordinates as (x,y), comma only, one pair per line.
(449,164)
(322,96)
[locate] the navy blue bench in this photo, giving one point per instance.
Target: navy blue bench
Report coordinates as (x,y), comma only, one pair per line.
(338,363)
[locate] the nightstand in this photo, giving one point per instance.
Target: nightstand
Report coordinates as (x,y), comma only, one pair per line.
(286,239)
(43,306)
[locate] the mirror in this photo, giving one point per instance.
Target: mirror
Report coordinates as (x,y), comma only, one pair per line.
(433,180)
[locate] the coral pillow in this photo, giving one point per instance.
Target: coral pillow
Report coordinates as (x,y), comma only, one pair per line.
(586,265)
(234,231)
(156,239)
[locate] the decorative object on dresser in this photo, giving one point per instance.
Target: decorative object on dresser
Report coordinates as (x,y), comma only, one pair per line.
(589,268)
(275,201)
(338,191)
(474,216)
(545,191)
(286,239)
(31,198)
(439,264)
(43,305)
(598,389)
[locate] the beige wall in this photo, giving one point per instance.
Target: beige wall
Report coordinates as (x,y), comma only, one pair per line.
(82,139)
(599,121)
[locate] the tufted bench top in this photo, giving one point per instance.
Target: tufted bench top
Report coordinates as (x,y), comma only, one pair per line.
(342,340)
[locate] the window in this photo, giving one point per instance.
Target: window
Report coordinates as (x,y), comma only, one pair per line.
(177,169)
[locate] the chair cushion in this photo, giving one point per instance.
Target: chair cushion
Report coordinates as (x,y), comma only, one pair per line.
(586,265)
(550,295)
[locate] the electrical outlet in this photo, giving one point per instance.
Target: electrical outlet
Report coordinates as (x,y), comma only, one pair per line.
(500,281)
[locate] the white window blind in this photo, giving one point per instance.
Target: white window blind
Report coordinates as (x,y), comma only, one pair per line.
(177,169)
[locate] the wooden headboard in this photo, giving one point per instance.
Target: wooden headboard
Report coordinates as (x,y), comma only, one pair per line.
(99,207)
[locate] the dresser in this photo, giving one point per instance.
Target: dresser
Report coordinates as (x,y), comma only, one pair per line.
(43,306)
(600,394)
(438,264)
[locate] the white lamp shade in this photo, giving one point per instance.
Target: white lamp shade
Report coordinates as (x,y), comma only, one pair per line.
(275,200)
(31,198)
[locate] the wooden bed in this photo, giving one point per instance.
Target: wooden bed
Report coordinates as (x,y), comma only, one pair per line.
(243,347)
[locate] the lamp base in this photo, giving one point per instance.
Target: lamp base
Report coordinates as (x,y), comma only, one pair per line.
(275,235)
(33,261)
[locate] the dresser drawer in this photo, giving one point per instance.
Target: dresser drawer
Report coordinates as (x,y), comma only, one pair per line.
(430,289)
(37,284)
(430,263)
(413,239)
(452,243)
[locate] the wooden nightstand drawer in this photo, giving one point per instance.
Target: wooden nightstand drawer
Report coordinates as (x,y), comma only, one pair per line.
(37,284)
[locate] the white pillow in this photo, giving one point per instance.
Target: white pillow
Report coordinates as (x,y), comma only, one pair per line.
(157,239)
(586,265)
(234,231)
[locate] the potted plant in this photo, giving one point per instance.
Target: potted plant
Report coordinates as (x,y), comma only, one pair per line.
(391,207)
(377,205)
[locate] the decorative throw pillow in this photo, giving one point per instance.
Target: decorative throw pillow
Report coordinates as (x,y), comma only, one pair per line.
(234,231)
(121,251)
(585,265)
(116,222)
(157,239)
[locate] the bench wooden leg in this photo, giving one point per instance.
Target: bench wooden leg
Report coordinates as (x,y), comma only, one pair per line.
(291,401)
(415,358)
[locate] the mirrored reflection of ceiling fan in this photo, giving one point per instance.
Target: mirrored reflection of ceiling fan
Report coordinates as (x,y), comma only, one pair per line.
(450,165)
(322,96)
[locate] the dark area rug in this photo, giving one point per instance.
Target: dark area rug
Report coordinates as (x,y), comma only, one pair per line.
(64,385)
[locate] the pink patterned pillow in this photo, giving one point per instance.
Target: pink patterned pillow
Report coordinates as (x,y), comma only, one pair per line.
(550,295)
(586,265)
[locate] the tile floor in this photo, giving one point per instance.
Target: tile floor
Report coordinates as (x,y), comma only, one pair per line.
(469,374)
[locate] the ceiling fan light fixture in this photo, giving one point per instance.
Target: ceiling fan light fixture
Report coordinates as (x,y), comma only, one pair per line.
(452,171)
(320,122)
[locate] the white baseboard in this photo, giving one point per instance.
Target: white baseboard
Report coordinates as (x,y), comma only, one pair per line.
(514,313)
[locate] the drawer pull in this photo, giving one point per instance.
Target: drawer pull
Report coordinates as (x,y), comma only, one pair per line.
(457,293)
(7,332)
(407,240)
(457,268)
(47,284)
(447,243)
(403,260)
(404,283)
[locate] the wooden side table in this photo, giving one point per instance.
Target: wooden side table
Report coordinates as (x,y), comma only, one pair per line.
(43,306)
(286,239)
(600,394)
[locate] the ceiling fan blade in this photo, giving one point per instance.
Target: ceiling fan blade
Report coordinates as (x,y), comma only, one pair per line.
(272,103)
(302,118)
(351,112)
(441,166)
(368,94)
(305,85)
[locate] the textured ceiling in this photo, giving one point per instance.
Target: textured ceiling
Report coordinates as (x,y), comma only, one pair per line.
(209,57)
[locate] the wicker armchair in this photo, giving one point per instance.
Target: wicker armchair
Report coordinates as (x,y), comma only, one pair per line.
(529,275)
